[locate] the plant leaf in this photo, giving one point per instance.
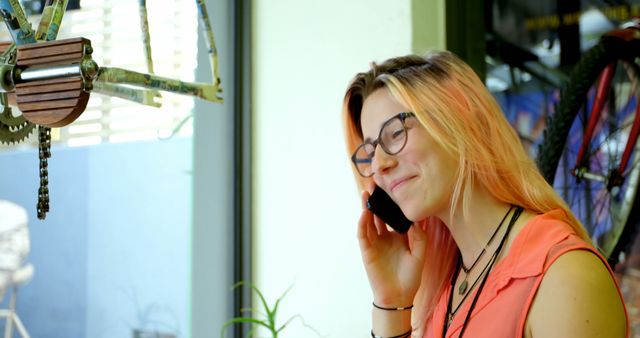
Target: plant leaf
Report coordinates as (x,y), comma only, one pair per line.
(239,320)
(275,307)
(270,314)
(303,323)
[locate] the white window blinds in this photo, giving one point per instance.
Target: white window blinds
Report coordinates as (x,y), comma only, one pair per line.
(114,30)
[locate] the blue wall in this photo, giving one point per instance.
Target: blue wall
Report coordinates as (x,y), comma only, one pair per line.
(114,251)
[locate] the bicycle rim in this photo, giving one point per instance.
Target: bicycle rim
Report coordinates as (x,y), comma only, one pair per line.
(603,208)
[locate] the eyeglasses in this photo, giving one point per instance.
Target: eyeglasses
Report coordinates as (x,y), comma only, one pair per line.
(392,138)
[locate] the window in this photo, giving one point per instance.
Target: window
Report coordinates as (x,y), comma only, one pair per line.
(114,30)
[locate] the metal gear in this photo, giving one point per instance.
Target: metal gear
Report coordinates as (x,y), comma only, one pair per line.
(13,128)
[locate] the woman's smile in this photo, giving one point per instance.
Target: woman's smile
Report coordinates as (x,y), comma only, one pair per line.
(399,183)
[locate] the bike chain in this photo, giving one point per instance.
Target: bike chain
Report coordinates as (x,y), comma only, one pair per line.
(44,153)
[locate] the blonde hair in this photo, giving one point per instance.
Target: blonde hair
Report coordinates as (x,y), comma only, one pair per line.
(455,108)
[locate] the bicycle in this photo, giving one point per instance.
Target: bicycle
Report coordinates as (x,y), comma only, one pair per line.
(590,152)
(50,81)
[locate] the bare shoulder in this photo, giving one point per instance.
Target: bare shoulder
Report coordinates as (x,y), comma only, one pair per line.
(577,298)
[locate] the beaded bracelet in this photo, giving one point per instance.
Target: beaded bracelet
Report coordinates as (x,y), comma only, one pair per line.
(393,308)
(403,335)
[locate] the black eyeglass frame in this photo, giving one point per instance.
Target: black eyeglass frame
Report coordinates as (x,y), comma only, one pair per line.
(402,117)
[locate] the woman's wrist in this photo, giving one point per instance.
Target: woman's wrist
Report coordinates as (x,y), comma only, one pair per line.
(391,323)
(402,335)
(392,308)
(397,301)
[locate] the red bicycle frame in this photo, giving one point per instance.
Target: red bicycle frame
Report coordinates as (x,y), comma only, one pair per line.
(604,83)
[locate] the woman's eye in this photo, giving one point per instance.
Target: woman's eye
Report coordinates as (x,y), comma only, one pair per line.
(397,134)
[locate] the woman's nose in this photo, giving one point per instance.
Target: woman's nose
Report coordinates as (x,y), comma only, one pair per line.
(382,162)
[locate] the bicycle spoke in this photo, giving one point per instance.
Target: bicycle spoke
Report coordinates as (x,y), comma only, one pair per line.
(588,194)
(606,140)
(634,165)
(604,204)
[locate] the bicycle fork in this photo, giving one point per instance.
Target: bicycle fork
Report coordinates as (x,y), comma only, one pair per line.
(581,171)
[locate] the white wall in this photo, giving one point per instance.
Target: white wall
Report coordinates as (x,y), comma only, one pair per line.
(306,203)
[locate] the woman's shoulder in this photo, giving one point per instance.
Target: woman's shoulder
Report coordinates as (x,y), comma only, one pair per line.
(577,297)
(540,239)
(554,222)
(553,235)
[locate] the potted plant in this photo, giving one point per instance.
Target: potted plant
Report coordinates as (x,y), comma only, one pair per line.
(267,320)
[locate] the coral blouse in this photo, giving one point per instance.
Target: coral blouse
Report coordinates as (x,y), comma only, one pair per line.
(502,308)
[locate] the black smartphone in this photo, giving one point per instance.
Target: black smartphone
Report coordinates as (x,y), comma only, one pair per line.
(381,204)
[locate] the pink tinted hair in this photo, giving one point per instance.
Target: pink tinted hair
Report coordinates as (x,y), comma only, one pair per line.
(457,110)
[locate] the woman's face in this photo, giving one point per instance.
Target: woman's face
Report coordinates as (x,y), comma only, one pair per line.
(419,178)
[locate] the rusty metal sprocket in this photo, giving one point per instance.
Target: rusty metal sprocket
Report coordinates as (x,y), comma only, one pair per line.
(13,128)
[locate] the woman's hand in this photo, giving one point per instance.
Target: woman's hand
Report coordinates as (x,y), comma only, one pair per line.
(393,261)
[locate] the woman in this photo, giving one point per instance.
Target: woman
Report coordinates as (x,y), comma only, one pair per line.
(493,251)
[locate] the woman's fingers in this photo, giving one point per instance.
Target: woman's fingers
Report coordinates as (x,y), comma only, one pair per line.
(417,241)
(372,228)
(381,226)
(364,197)
(366,231)
(362,230)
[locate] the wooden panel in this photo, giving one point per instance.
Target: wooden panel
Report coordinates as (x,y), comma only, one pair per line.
(49,96)
(46,49)
(47,117)
(60,117)
(53,102)
(49,81)
(52,52)
(52,60)
(48,86)
(48,104)
(4,45)
(52,43)
(12,98)
(43,51)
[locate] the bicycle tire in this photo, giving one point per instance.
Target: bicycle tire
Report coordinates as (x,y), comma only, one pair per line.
(556,145)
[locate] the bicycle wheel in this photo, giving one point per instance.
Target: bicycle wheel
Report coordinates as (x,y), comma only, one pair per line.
(605,205)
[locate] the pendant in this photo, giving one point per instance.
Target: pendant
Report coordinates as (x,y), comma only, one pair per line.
(463,287)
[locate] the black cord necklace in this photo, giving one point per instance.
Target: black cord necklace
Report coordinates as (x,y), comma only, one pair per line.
(463,286)
(450,314)
(496,253)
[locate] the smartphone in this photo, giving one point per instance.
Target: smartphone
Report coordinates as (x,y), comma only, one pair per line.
(381,204)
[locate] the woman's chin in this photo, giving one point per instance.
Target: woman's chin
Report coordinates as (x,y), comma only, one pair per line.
(416,214)
(411,215)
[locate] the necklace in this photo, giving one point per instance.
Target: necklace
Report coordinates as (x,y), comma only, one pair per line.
(463,286)
(493,259)
(450,313)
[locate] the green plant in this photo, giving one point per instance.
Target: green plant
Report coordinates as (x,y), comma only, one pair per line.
(269,317)
(151,319)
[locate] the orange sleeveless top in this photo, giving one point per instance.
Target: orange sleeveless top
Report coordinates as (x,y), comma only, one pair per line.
(502,308)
